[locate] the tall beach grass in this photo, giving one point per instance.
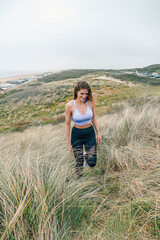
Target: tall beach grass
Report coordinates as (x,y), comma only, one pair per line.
(41,197)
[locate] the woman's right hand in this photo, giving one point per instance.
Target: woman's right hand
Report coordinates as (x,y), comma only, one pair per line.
(69,147)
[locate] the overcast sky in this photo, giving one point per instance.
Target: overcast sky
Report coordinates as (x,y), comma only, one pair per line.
(60,34)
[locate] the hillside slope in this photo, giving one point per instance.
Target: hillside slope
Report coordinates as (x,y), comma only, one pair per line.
(40,194)
(151,68)
(118,199)
(43,102)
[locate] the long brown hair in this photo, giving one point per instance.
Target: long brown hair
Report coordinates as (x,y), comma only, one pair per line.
(83,85)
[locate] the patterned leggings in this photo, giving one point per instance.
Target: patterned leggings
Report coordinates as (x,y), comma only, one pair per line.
(84,137)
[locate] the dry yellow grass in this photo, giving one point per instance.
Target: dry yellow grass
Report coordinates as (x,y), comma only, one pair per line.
(39,185)
(40,197)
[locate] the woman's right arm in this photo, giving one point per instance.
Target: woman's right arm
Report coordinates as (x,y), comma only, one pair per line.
(67,126)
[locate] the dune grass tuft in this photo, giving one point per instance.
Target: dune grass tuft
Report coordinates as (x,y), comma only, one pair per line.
(40,194)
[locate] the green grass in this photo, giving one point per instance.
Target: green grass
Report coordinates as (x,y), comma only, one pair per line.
(73,73)
(138,79)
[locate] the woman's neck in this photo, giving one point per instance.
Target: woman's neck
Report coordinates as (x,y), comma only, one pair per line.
(80,102)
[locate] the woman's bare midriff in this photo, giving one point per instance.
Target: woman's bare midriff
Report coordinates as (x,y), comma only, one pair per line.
(83,126)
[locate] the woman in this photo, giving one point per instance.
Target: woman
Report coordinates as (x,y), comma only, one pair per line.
(82,111)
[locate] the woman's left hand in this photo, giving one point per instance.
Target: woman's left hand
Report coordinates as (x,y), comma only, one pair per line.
(99,137)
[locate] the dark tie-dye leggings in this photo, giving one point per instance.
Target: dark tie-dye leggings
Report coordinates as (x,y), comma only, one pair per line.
(84,138)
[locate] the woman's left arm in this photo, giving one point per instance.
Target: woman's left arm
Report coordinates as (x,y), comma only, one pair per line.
(94,121)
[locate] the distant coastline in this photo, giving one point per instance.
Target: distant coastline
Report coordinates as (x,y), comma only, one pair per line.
(9,75)
(12,78)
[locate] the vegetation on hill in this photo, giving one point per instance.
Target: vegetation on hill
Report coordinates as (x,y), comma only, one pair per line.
(136,79)
(41,198)
(40,103)
(40,195)
(73,73)
(150,69)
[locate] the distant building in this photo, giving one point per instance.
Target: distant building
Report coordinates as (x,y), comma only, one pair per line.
(3,89)
(155,74)
(146,74)
(150,75)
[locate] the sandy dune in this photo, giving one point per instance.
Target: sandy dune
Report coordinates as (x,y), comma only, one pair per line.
(117,80)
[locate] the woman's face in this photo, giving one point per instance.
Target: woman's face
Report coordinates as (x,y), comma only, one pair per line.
(82,94)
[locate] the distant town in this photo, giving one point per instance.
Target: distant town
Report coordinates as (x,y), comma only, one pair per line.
(11,83)
(147,74)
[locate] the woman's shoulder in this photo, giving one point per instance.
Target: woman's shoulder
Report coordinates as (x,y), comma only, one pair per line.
(70,104)
(91,103)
